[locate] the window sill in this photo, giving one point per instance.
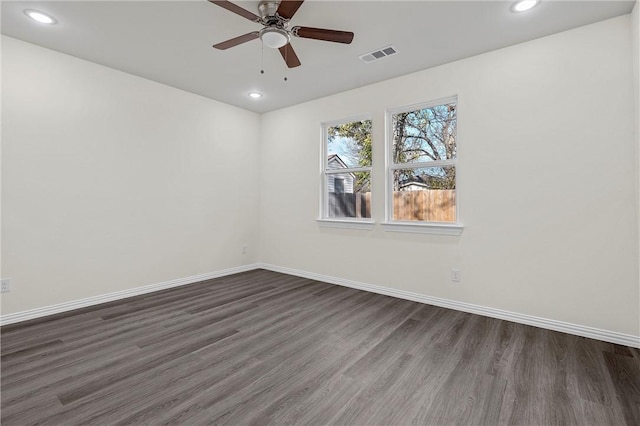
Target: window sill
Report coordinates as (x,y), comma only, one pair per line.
(366,225)
(424,228)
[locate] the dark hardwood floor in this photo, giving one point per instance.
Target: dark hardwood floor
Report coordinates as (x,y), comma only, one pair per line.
(265,348)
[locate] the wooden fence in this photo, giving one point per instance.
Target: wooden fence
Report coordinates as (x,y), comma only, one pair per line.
(350,205)
(430,205)
(435,205)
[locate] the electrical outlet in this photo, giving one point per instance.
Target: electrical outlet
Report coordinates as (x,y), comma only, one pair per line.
(244,249)
(455,275)
(6,285)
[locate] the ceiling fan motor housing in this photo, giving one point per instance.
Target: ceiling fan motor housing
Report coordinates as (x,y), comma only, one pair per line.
(268,13)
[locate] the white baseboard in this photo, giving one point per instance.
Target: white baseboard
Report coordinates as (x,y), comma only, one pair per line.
(110,297)
(565,327)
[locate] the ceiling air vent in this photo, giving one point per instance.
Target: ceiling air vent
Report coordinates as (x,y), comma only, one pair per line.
(378,54)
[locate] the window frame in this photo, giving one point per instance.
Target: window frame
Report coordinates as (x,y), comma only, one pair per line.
(445,228)
(323,218)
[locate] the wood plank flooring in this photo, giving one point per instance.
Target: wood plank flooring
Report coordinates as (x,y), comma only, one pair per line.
(266,348)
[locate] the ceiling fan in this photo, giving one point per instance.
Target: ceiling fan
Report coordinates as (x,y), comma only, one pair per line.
(275,16)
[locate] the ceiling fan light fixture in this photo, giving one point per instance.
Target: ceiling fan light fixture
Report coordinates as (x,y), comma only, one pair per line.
(274,38)
(524,5)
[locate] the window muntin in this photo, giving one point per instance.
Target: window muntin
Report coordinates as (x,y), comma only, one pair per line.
(347,160)
(422,156)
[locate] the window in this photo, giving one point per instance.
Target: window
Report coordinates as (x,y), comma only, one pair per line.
(421,156)
(346,170)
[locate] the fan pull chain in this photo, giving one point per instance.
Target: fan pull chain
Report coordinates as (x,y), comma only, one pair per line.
(286,63)
(262,59)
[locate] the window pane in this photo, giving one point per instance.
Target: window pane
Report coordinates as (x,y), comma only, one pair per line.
(349,145)
(349,195)
(427,134)
(426,194)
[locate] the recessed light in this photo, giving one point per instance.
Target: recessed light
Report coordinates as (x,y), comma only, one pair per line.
(524,5)
(40,17)
(255,95)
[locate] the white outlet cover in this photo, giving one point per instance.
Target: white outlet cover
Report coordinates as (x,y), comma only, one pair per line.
(6,285)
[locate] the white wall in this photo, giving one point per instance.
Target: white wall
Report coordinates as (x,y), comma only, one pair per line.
(111,182)
(547,183)
(635,57)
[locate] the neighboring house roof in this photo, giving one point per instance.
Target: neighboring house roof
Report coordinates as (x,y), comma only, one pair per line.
(411,183)
(415,180)
(423,180)
(336,158)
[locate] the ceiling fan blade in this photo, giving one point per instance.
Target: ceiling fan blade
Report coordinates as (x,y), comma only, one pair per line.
(236,9)
(236,41)
(322,34)
(289,56)
(288,8)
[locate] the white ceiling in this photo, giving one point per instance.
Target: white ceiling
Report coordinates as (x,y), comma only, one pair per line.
(170,41)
